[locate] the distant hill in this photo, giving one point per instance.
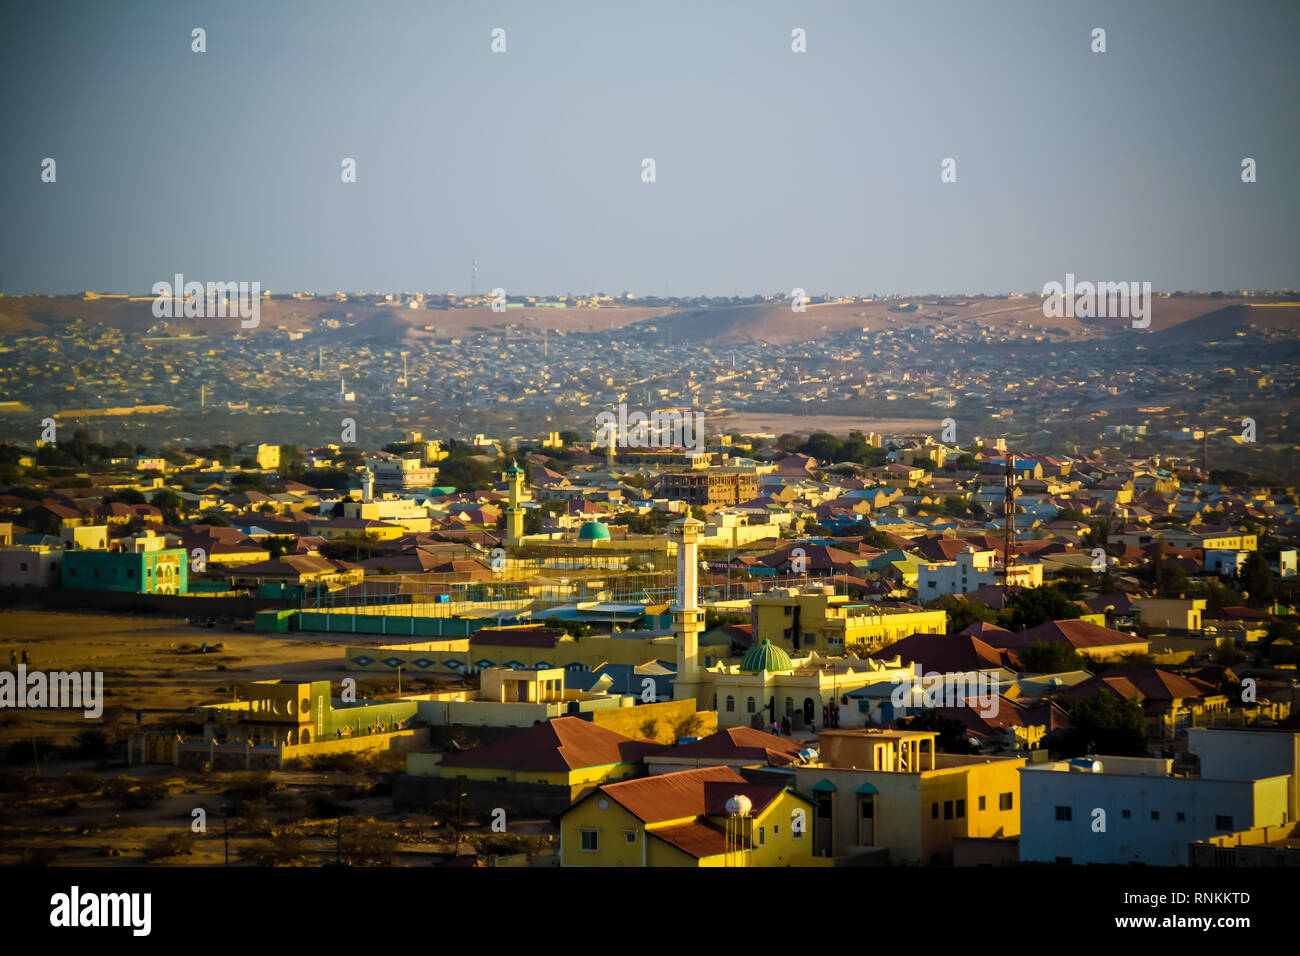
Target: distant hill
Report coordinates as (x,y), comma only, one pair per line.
(1224,324)
(1185,319)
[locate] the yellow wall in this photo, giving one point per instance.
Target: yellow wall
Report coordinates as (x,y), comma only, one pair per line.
(780,847)
(903,806)
(628,720)
(613,848)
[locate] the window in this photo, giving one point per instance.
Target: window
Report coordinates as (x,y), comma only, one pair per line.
(1064,813)
(731,704)
(1223,823)
(762,835)
(1180,817)
(961,809)
(629,835)
(934,811)
(982,802)
(776,829)
(22,566)
(590,840)
(749,705)
(1155,814)
(789,706)
(947,809)
(1004,801)
(789,610)
(1126,814)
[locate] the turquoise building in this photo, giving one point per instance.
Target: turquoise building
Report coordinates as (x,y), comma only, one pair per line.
(165,571)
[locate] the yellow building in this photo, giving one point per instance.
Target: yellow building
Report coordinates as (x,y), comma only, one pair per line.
(266,456)
(682,819)
(888,794)
(373,530)
(1179,614)
(768,682)
(817,619)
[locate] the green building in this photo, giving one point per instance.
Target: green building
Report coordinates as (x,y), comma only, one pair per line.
(165,571)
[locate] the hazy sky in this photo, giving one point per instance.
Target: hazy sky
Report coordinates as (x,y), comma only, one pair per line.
(774,169)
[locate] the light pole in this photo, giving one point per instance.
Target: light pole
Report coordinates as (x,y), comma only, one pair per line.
(459,804)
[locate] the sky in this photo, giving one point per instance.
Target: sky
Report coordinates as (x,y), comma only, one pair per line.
(773,169)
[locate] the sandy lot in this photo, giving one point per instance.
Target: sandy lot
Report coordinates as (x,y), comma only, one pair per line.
(149,664)
(76,812)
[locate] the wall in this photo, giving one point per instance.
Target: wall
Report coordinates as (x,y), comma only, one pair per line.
(1248,754)
(628,720)
(400,742)
(612,846)
(120,601)
(421,793)
(1137,838)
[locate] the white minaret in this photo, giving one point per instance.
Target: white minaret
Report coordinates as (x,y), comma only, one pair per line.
(688,618)
(367,485)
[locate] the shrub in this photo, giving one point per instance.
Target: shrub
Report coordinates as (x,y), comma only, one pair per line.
(168,846)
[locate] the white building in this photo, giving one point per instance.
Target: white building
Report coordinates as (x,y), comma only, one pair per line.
(34,566)
(972,569)
(1133,810)
(403,474)
(1224,562)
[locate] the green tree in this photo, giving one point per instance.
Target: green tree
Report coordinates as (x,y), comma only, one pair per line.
(1256,579)
(953,738)
(1050,657)
(1029,607)
(1103,725)
(962,613)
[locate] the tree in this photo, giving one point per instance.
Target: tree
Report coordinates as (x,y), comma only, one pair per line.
(952,735)
(713,618)
(571,628)
(962,613)
(1029,607)
(1256,579)
(1050,657)
(1103,725)
(127,496)
(170,503)
(823,446)
(278,547)
(952,505)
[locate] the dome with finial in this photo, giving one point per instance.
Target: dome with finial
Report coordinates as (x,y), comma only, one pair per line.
(514,468)
(765,657)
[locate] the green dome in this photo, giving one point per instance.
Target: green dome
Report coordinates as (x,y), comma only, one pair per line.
(765,657)
(593,531)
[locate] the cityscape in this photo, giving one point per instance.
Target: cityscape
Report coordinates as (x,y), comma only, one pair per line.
(979,567)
